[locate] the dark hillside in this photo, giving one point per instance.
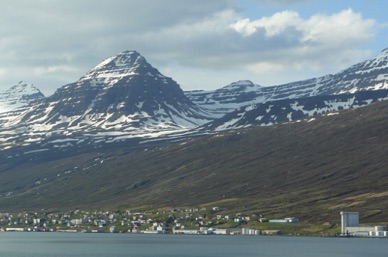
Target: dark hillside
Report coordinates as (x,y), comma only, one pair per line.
(311,170)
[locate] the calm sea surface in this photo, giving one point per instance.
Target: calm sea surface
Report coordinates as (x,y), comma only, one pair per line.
(138,245)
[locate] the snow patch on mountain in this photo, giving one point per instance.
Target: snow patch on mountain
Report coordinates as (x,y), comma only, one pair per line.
(122,97)
(291,110)
(17,96)
(365,76)
(226,99)
(125,98)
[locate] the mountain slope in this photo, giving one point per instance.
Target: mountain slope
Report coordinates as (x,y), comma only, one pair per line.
(15,100)
(125,98)
(291,110)
(368,75)
(311,170)
(121,98)
(227,99)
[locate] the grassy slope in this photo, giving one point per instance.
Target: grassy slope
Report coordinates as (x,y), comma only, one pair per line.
(311,170)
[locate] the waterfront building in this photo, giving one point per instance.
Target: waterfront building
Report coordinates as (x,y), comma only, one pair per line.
(348,219)
(350,226)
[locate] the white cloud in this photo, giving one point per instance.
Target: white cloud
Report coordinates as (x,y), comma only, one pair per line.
(315,43)
(55,69)
(53,42)
(274,25)
(267,67)
(345,25)
(226,41)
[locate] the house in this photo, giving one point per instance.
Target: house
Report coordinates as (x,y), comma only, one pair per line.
(250,231)
(220,216)
(292,219)
(184,231)
(278,221)
(234,231)
(161,229)
(271,232)
(220,231)
(14,229)
(76,222)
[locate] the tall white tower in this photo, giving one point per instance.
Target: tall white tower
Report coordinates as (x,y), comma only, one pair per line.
(349,219)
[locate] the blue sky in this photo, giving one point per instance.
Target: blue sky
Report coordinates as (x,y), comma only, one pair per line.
(201,44)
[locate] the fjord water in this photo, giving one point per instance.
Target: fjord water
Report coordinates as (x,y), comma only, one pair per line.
(139,245)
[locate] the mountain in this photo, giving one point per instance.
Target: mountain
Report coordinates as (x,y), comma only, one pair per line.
(368,75)
(310,170)
(123,97)
(291,110)
(227,99)
(126,135)
(125,100)
(18,95)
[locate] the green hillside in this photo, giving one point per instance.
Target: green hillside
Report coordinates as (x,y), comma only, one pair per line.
(309,169)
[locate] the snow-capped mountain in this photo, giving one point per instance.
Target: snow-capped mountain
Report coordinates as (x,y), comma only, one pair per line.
(291,110)
(227,99)
(15,100)
(18,95)
(125,98)
(368,75)
(122,97)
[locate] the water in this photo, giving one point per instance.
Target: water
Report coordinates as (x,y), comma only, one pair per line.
(138,245)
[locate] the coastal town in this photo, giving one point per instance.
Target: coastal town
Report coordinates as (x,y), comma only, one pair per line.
(173,221)
(184,221)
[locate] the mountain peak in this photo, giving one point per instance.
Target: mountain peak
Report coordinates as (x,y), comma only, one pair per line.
(24,88)
(18,95)
(120,65)
(383,54)
(242,85)
(123,59)
(122,97)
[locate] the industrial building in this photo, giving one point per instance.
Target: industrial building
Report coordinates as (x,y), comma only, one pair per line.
(350,226)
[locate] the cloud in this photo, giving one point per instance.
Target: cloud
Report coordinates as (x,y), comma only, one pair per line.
(52,42)
(343,26)
(37,35)
(284,2)
(225,41)
(312,43)
(272,26)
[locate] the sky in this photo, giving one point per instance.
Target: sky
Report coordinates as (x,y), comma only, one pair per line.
(201,44)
